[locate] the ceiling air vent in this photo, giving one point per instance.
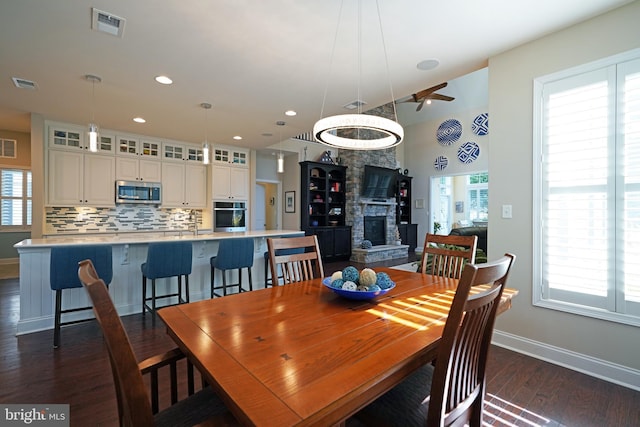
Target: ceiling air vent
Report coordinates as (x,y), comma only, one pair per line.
(107,23)
(355,104)
(24,83)
(307,136)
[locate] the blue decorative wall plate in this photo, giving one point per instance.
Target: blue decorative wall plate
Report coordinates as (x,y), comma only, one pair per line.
(441,163)
(449,132)
(480,125)
(468,152)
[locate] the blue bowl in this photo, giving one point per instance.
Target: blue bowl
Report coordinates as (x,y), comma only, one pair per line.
(357,295)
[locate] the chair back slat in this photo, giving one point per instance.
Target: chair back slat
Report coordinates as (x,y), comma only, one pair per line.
(447,255)
(458,386)
(295,267)
(133,403)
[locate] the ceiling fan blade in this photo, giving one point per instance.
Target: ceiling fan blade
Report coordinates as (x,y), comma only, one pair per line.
(426,92)
(440,97)
(420,106)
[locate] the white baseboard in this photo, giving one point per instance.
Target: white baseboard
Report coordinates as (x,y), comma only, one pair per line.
(598,368)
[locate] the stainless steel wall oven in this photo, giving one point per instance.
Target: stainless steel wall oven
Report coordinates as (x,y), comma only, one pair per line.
(229,216)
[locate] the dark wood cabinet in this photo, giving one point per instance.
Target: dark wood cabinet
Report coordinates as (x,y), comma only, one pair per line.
(408,231)
(409,235)
(323,208)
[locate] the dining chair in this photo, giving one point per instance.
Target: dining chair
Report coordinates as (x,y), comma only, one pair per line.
(447,255)
(62,276)
(135,408)
(452,392)
(295,267)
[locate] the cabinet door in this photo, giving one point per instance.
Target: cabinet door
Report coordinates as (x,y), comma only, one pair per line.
(173,185)
(195,186)
(326,239)
(239,185)
(127,169)
(150,170)
(65,178)
(221,182)
(342,242)
(66,137)
(99,180)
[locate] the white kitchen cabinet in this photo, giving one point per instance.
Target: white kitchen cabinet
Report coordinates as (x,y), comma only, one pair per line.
(181,152)
(230,156)
(184,185)
(230,183)
(132,146)
(77,179)
(76,138)
(132,169)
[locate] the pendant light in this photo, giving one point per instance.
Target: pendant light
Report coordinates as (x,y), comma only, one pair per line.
(359,131)
(205,144)
(280,156)
(93,128)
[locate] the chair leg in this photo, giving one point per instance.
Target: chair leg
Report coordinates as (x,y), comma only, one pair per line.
(213,282)
(144,295)
(153,295)
(186,287)
(224,283)
(180,300)
(57,316)
(250,279)
(266,269)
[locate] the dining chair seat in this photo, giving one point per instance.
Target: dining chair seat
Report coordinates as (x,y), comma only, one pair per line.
(166,260)
(232,254)
(63,275)
(452,392)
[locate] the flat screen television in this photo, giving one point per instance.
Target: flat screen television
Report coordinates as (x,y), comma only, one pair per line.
(378,182)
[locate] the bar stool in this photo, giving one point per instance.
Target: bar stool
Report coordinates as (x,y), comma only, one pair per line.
(232,254)
(63,274)
(166,259)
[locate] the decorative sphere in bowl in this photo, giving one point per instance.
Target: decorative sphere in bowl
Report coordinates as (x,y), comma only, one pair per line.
(356,294)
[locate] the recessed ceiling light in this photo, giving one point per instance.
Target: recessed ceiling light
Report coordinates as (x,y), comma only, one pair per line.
(237,137)
(290,113)
(164,80)
(139,120)
(428,64)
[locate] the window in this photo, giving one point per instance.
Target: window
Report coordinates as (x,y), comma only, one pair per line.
(8,148)
(478,196)
(587,192)
(15,198)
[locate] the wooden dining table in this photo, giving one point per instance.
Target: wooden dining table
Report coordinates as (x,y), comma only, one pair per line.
(301,355)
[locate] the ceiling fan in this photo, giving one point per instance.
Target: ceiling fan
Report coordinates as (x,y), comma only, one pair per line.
(428,95)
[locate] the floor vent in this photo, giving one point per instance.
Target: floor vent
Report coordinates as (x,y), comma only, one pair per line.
(107,23)
(24,83)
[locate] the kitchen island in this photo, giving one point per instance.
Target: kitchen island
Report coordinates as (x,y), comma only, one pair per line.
(37,300)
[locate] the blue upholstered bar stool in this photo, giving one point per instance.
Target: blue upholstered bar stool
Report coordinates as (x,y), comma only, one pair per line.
(166,259)
(63,274)
(232,254)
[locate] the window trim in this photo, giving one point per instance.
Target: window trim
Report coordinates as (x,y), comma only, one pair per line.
(537,277)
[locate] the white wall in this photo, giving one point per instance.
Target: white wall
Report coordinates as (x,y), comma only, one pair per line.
(510,169)
(420,149)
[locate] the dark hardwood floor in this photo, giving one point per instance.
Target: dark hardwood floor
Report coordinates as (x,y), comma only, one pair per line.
(522,391)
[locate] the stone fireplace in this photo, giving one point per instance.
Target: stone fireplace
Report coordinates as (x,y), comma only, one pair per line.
(359,208)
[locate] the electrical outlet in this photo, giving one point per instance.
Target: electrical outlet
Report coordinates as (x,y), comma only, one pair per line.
(507,211)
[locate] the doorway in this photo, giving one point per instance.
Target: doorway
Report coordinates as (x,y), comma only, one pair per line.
(459,201)
(266,202)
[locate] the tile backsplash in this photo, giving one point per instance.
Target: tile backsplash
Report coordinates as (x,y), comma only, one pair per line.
(122,218)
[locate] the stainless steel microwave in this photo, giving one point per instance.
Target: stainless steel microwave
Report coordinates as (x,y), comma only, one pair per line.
(139,192)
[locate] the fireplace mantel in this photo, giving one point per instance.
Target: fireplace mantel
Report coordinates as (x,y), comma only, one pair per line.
(389,205)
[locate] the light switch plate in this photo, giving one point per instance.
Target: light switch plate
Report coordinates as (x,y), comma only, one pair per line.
(507,211)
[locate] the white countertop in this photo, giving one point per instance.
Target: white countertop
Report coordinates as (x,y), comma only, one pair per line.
(141,238)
